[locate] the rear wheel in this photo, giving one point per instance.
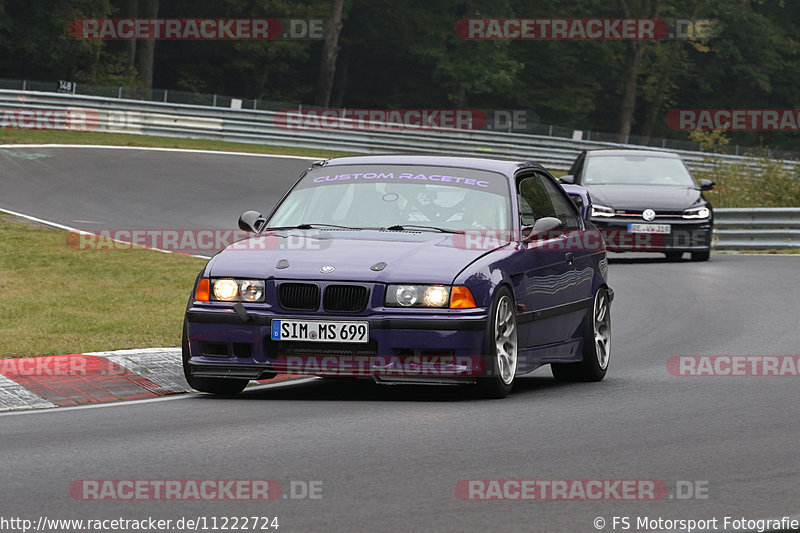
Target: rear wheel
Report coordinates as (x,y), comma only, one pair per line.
(673,256)
(596,344)
(223,387)
(500,348)
(701,256)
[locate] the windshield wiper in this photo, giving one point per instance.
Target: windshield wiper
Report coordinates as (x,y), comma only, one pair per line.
(312,226)
(404,227)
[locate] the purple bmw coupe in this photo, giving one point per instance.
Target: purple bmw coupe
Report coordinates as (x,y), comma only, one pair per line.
(407,269)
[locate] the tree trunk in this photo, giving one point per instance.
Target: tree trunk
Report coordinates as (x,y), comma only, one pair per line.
(661,91)
(131,11)
(330,49)
(647,9)
(147,48)
(628,105)
(340,80)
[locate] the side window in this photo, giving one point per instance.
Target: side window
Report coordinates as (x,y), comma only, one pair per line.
(564,208)
(534,201)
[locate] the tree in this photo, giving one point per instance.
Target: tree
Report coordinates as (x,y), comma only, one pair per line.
(330,49)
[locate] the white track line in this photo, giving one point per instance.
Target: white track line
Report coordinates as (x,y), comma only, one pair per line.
(179,396)
(83,232)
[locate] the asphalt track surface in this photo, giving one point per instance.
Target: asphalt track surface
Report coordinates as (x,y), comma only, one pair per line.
(389,458)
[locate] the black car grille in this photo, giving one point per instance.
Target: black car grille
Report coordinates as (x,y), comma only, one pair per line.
(336,299)
(659,214)
(345,298)
(298,296)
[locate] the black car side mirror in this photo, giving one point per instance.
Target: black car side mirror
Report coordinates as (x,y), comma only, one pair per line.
(545,225)
(706,185)
(567,178)
(251,221)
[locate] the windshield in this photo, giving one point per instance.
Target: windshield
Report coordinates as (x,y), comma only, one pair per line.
(636,170)
(379,196)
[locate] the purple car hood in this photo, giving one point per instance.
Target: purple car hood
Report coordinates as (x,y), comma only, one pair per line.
(409,258)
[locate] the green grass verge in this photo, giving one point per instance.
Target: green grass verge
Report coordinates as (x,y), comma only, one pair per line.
(778,251)
(12,136)
(60,300)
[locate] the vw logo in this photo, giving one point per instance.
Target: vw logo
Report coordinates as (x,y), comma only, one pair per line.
(648,214)
(327,269)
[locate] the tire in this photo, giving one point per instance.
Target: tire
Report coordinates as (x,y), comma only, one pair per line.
(220,386)
(500,348)
(673,256)
(701,256)
(596,345)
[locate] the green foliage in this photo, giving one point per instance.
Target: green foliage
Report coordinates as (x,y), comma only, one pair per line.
(406,53)
(763,183)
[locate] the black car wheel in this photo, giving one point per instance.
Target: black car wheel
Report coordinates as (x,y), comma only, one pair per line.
(500,348)
(673,256)
(221,386)
(701,256)
(596,344)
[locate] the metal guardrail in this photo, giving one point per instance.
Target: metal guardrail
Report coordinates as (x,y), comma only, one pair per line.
(756,228)
(116,115)
(748,228)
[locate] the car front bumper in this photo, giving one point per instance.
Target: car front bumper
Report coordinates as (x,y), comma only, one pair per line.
(684,235)
(223,343)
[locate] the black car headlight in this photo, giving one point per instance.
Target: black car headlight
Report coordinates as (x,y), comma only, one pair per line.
(417,295)
(602,211)
(236,290)
(697,213)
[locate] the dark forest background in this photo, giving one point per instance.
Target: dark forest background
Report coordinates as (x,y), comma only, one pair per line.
(406,54)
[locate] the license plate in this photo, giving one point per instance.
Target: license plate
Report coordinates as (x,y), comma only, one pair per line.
(649,228)
(319,331)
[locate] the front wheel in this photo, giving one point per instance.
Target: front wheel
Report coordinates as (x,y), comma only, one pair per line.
(500,348)
(220,386)
(701,256)
(596,344)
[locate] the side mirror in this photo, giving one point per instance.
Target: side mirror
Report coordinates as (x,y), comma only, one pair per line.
(567,178)
(706,185)
(545,225)
(251,221)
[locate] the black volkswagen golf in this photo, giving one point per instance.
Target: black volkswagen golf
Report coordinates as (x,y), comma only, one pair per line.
(646,201)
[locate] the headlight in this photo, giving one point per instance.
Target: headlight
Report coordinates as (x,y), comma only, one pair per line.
(697,212)
(436,296)
(252,290)
(602,211)
(226,290)
(232,290)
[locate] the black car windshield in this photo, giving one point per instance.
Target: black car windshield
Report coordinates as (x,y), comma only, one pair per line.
(382,196)
(636,170)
